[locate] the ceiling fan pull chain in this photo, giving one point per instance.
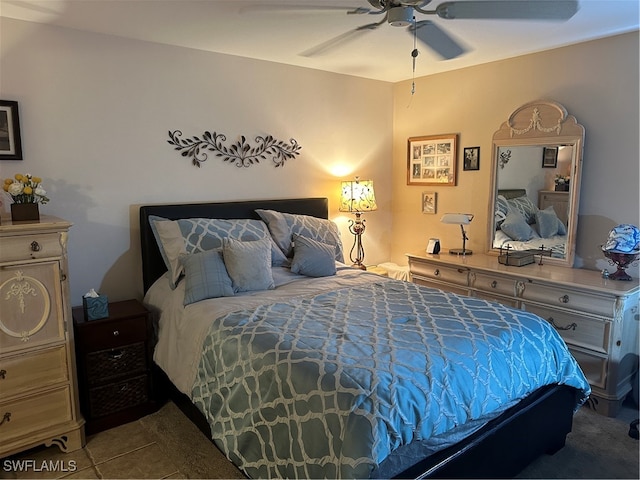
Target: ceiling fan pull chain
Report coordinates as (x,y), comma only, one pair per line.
(414,54)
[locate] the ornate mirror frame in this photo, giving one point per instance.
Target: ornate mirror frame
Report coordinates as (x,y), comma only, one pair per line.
(543,125)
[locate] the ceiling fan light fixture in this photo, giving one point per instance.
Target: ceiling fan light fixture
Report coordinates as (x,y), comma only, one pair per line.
(400,16)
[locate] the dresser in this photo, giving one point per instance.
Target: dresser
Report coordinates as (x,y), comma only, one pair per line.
(38,392)
(597,317)
(114,359)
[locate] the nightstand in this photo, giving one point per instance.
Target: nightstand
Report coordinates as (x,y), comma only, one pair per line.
(114,357)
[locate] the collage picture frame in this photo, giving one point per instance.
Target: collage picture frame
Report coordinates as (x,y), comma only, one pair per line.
(432,160)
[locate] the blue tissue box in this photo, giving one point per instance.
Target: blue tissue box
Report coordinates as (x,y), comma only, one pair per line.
(95,307)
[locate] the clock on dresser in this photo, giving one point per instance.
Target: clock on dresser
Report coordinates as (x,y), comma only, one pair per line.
(114,365)
(596,317)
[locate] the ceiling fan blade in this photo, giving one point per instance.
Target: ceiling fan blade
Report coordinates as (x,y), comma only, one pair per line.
(287,8)
(436,39)
(342,39)
(509,9)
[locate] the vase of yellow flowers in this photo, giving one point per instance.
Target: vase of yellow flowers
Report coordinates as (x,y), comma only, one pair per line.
(27,194)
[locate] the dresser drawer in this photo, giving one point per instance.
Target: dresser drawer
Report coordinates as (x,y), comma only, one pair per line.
(35,412)
(105,365)
(507,301)
(557,296)
(30,247)
(106,334)
(492,284)
(19,374)
(447,287)
(458,276)
(579,330)
(115,397)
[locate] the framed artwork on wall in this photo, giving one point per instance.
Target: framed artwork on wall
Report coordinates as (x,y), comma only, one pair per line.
(10,142)
(429,202)
(471,158)
(432,160)
(549,157)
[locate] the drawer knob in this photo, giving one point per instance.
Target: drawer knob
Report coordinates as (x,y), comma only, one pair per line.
(6,417)
(35,246)
(3,374)
(116,333)
(571,326)
(494,284)
(116,354)
(564,299)
(436,272)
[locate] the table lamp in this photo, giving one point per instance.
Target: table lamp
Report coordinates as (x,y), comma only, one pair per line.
(461,219)
(357,197)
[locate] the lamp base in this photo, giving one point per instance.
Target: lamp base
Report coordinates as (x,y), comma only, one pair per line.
(359,265)
(460,251)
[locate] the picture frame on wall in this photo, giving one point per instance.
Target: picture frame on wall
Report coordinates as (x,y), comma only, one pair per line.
(549,157)
(471,158)
(429,202)
(10,140)
(432,160)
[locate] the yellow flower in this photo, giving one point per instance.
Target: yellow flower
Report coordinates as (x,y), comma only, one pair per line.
(36,180)
(5,187)
(27,190)
(19,176)
(7,181)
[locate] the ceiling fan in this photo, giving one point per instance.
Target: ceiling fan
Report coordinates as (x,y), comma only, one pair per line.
(406,13)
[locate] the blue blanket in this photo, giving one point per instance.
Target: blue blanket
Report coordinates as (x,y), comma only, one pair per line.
(327,386)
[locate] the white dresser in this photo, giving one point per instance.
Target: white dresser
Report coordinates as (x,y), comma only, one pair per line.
(38,387)
(597,318)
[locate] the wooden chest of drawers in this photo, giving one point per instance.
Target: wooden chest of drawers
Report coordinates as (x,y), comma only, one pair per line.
(596,317)
(114,360)
(38,388)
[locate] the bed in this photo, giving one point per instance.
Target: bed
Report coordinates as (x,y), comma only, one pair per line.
(295,381)
(521,225)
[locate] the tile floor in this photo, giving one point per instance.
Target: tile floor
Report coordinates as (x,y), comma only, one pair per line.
(127,451)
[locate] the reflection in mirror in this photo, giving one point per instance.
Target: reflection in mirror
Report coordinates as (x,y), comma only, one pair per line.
(536,178)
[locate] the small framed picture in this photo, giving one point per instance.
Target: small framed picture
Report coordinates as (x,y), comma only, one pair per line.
(471,158)
(549,157)
(431,160)
(429,202)
(10,143)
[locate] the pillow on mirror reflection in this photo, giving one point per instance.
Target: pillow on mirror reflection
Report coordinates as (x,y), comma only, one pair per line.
(548,223)
(525,206)
(516,227)
(502,208)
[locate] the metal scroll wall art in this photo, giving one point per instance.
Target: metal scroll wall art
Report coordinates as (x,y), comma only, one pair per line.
(240,153)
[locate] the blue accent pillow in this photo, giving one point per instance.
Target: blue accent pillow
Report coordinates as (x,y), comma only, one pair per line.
(516,227)
(248,264)
(205,276)
(549,224)
(312,258)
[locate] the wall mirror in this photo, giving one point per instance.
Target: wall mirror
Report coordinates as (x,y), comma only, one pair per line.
(537,162)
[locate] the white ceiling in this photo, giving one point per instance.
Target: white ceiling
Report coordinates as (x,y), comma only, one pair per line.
(247,29)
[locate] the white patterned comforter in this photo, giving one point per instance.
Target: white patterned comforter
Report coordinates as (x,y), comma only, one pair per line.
(331,381)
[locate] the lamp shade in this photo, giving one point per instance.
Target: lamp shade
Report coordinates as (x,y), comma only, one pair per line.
(357,196)
(457,218)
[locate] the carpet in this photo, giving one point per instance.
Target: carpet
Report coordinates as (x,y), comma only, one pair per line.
(597,447)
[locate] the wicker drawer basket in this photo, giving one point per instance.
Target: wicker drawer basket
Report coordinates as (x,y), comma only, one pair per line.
(106,365)
(114,397)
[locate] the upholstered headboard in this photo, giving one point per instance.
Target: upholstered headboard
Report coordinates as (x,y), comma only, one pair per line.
(153,265)
(512,193)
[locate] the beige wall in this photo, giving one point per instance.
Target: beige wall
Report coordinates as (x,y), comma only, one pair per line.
(596,81)
(95,111)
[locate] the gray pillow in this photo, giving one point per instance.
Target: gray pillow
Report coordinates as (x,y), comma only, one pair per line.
(248,264)
(516,227)
(205,276)
(525,206)
(193,235)
(283,226)
(549,224)
(312,258)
